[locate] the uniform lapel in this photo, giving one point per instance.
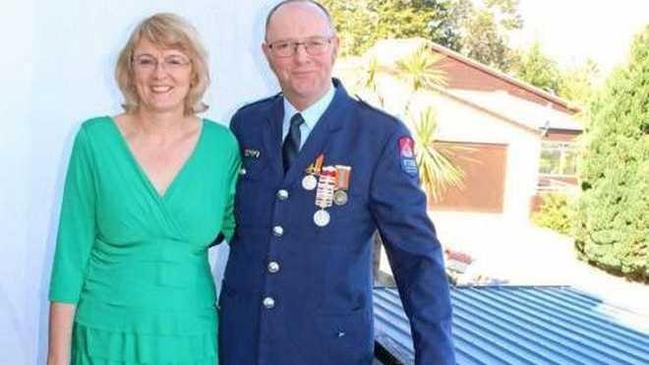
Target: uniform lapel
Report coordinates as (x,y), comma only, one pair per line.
(330,122)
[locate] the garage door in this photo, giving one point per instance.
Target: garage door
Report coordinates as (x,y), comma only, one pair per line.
(484,167)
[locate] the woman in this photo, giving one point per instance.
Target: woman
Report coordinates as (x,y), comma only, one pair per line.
(146,193)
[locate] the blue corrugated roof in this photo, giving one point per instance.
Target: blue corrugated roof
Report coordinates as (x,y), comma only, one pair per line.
(522,325)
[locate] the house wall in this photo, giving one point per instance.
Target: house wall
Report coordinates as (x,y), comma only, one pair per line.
(463,123)
(460,122)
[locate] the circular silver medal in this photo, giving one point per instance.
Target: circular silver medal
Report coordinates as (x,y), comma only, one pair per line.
(321,218)
(341,197)
(309,182)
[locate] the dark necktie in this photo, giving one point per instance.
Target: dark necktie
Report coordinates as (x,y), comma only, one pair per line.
(292,142)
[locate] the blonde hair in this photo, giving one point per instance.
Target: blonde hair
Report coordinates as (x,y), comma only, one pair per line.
(168,31)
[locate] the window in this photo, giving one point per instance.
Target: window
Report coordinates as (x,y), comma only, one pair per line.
(558,159)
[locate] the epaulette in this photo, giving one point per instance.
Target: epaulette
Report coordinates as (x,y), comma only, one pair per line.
(260,101)
(375,109)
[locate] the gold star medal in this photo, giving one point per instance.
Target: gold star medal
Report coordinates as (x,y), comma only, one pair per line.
(310,181)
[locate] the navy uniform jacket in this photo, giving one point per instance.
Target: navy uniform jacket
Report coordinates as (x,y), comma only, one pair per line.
(295,293)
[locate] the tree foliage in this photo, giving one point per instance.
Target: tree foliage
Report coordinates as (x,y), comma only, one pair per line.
(577,84)
(419,72)
(478,32)
(555,213)
(360,23)
(485,30)
(612,217)
(538,69)
(436,169)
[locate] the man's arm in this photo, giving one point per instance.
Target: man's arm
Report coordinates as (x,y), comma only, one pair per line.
(399,209)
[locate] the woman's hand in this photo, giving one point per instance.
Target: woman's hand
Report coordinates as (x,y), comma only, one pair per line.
(61,319)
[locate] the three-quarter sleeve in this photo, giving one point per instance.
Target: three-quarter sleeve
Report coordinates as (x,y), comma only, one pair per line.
(228,225)
(76,233)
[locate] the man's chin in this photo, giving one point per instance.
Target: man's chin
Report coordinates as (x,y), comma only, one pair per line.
(309,91)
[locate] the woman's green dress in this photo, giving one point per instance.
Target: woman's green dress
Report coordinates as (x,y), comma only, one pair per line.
(135,263)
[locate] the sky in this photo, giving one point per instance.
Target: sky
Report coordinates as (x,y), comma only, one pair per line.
(571,31)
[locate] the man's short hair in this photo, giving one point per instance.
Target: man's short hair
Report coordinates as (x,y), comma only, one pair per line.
(284,2)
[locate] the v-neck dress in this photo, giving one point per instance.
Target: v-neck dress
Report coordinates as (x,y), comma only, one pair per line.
(134,262)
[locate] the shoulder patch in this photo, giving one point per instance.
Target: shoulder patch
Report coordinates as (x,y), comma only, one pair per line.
(261,101)
(407,157)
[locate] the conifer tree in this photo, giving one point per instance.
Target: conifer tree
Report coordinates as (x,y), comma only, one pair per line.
(612,217)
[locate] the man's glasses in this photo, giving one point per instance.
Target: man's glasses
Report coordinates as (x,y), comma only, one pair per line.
(170,63)
(313,46)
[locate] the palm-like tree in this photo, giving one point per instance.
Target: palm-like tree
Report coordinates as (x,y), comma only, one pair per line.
(369,81)
(436,170)
(420,70)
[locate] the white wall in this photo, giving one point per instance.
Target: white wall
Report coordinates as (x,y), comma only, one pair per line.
(55,71)
(461,122)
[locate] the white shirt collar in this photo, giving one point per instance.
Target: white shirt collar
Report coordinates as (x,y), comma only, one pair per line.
(311,114)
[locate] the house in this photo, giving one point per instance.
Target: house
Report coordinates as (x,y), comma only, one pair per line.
(511,139)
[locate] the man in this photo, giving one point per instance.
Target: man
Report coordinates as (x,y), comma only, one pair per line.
(321,172)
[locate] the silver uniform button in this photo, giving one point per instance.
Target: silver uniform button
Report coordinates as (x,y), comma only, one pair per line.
(282,194)
(242,171)
(273,267)
(278,231)
(269,303)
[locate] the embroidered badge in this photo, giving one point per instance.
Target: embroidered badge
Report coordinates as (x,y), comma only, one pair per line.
(407,156)
(250,153)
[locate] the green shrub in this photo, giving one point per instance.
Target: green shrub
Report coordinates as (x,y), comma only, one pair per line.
(612,213)
(554,213)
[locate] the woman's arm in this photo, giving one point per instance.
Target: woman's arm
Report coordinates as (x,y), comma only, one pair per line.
(234,165)
(75,238)
(61,318)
